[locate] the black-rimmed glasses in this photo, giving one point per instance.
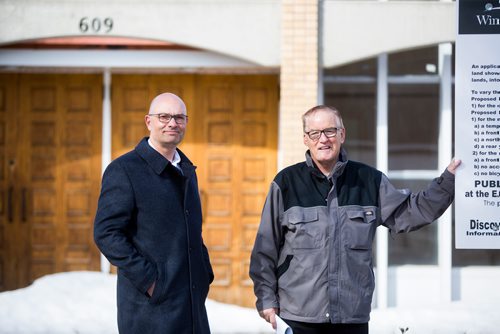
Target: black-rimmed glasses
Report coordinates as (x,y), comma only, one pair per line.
(329,132)
(165,118)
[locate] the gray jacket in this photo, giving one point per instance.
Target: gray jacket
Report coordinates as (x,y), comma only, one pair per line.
(312,256)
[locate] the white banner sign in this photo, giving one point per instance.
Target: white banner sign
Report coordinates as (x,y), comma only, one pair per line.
(477,125)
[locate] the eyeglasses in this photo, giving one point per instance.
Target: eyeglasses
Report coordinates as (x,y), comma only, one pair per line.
(329,133)
(165,118)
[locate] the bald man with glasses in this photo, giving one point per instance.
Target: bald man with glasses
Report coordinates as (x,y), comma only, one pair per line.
(312,259)
(148,224)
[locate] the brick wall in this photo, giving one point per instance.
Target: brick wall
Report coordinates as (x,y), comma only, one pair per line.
(299,75)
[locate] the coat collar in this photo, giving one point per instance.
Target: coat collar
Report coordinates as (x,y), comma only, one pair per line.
(159,163)
(337,169)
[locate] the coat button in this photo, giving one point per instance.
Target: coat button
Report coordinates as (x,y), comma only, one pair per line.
(187,213)
(194,286)
(328,315)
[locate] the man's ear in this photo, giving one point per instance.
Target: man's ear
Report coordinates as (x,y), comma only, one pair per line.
(342,136)
(147,121)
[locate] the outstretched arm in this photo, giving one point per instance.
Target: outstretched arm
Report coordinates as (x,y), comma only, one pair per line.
(404,211)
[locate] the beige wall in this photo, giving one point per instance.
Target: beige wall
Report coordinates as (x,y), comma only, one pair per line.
(355,30)
(299,75)
(245,29)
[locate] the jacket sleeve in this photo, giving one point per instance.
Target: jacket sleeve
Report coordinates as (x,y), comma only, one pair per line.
(265,253)
(403,211)
(115,215)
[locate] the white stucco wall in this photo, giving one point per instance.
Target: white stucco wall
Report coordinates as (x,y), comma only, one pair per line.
(244,29)
(355,30)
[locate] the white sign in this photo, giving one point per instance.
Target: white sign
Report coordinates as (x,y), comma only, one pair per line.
(477,125)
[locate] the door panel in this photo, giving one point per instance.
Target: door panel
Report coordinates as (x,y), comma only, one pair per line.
(58,168)
(10,229)
(232,138)
(238,163)
(61,145)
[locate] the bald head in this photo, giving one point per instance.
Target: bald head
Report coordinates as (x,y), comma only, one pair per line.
(166,101)
(166,122)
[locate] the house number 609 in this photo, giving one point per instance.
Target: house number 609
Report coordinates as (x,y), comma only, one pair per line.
(96,25)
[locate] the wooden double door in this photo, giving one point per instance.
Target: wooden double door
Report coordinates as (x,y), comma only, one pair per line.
(50,166)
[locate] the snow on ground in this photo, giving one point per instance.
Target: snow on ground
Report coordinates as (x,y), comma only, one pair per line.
(85,302)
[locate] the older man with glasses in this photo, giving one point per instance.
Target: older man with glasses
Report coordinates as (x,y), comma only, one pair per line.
(148,224)
(312,259)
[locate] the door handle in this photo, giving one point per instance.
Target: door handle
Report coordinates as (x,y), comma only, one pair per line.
(10,192)
(10,204)
(23,205)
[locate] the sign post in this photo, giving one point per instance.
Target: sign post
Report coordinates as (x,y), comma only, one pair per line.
(477,125)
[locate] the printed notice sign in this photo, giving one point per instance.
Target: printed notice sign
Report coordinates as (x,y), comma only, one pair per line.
(477,125)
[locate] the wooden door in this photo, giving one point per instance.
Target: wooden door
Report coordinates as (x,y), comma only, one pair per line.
(232,138)
(57,168)
(12,268)
(237,164)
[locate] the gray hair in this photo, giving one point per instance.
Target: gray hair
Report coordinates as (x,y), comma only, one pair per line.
(313,110)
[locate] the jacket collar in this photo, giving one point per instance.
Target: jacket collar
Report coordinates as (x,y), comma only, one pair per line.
(337,169)
(159,163)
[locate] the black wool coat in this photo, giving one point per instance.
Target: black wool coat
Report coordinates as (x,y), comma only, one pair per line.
(148,224)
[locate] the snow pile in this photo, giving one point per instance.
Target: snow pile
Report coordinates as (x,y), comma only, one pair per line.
(85,302)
